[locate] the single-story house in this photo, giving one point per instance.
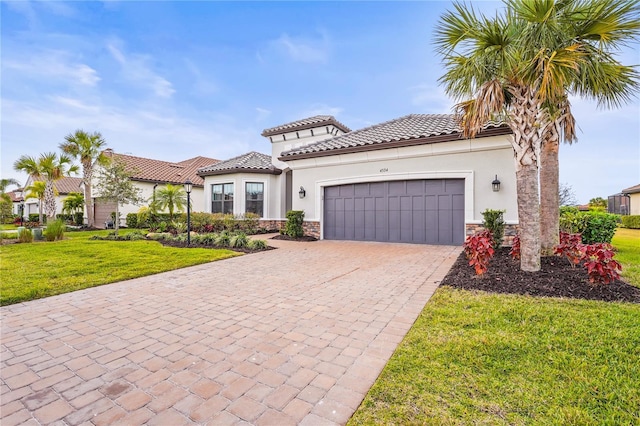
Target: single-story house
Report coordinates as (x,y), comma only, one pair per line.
(633,193)
(64,186)
(414,179)
(148,175)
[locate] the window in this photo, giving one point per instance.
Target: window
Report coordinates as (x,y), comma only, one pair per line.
(222,198)
(255,198)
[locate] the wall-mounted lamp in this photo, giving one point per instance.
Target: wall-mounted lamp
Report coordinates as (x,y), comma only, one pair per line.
(495,184)
(302,193)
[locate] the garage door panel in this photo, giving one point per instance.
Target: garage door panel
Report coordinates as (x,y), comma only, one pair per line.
(417,211)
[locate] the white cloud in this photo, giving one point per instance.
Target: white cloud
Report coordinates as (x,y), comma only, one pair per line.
(262,114)
(54,64)
(302,49)
(135,68)
(430,98)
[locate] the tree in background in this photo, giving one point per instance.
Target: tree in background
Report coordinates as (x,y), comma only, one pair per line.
(36,190)
(598,204)
(6,203)
(566,195)
(87,148)
(170,197)
(49,167)
(114,184)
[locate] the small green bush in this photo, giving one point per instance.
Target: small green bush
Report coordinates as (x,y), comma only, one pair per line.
(54,230)
(78,218)
(293,227)
(632,221)
(239,240)
(64,217)
(132,220)
(223,239)
(600,227)
(35,217)
(493,220)
(257,244)
(25,236)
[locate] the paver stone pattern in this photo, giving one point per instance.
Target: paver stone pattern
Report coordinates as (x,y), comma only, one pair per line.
(295,335)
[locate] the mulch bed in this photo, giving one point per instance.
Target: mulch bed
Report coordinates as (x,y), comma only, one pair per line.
(556,278)
(288,238)
(181,244)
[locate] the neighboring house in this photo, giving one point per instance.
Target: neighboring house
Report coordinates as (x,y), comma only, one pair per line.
(16,198)
(633,195)
(63,186)
(413,179)
(149,175)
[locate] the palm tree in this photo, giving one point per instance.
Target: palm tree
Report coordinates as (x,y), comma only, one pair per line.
(170,197)
(73,203)
(4,184)
(86,147)
(49,167)
(508,68)
(592,32)
(36,190)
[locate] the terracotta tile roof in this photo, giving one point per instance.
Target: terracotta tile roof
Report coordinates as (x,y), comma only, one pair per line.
(67,185)
(632,190)
(148,170)
(306,123)
(15,198)
(411,129)
(251,162)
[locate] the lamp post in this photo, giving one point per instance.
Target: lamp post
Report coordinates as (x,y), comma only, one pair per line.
(187,187)
(22,213)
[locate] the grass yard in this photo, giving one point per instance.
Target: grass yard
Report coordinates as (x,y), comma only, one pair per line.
(32,271)
(480,358)
(627,242)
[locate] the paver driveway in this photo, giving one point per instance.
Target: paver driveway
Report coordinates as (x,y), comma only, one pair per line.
(289,336)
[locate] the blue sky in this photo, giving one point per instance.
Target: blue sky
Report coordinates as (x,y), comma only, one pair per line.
(172,80)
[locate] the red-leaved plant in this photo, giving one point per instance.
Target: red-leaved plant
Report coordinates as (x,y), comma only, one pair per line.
(599,263)
(515,248)
(479,250)
(570,247)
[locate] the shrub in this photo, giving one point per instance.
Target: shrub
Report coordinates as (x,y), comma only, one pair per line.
(65,217)
(35,217)
(479,250)
(293,227)
(257,244)
(157,236)
(222,239)
(25,236)
(572,220)
(54,230)
(631,221)
(493,221)
(600,227)
(179,227)
(599,263)
(515,247)
(570,247)
(78,218)
(249,222)
(239,240)
(132,220)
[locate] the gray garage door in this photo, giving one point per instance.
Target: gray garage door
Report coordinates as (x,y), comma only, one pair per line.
(411,211)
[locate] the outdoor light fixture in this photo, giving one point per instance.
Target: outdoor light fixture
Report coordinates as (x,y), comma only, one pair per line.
(302,192)
(187,187)
(495,184)
(22,213)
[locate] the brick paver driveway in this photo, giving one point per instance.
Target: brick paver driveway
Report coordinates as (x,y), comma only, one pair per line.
(289,336)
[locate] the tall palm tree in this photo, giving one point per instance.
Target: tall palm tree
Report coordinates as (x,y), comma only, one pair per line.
(73,203)
(4,184)
(49,167)
(172,198)
(36,190)
(87,148)
(508,68)
(593,31)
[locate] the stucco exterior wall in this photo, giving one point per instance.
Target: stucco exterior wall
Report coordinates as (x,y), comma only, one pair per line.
(634,207)
(289,140)
(273,192)
(476,161)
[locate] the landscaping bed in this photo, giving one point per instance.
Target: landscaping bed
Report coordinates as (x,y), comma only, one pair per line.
(183,244)
(288,238)
(556,278)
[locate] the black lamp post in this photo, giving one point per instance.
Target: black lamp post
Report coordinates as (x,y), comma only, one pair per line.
(187,187)
(22,213)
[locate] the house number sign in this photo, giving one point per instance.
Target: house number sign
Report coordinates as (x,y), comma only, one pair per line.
(384,170)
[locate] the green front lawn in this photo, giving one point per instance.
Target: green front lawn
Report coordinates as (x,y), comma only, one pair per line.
(41,269)
(627,243)
(481,358)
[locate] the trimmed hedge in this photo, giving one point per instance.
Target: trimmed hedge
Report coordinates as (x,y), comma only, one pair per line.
(293,227)
(632,221)
(595,226)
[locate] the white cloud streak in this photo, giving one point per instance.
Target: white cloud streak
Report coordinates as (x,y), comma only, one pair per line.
(302,49)
(55,64)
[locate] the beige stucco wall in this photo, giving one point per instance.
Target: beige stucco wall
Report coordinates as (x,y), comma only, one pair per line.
(290,140)
(273,192)
(634,207)
(476,161)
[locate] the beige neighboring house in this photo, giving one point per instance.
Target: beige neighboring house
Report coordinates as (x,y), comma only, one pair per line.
(150,175)
(414,179)
(633,194)
(64,187)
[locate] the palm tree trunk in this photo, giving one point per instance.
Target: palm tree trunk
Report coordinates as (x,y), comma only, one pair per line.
(88,203)
(40,204)
(526,145)
(549,189)
(49,200)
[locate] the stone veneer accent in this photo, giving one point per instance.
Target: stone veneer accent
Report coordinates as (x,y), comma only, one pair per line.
(509,232)
(311,228)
